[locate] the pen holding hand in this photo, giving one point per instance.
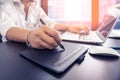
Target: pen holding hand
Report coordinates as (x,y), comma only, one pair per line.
(56,41)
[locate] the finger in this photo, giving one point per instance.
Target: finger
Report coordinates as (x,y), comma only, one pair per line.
(40,44)
(82,32)
(39,36)
(53,34)
(86,29)
(48,39)
(35,44)
(45,45)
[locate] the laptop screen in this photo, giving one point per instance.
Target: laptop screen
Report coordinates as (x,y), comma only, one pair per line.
(106,26)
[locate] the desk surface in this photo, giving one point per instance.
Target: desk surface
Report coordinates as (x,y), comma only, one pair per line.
(14,67)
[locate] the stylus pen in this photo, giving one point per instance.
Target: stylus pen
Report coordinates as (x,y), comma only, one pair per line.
(58,44)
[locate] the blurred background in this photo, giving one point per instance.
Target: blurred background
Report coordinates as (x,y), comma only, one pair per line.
(88,12)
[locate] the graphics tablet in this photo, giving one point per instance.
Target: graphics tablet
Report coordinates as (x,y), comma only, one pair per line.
(56,60)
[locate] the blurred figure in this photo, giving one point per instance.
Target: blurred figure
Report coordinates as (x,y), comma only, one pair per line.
(20,21)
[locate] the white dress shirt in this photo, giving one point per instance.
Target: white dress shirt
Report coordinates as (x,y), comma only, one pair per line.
(12,15)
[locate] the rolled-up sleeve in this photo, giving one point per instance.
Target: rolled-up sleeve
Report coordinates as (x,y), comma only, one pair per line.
(6,23)
(49,22)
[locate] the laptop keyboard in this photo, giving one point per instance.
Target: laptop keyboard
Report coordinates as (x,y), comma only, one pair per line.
(69,35)
(74,36)
(91,36)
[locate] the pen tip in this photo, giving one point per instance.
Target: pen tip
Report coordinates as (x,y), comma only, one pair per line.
(62,46)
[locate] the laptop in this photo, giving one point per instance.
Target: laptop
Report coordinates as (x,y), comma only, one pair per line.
(56,60)
(97,37)
(115,34)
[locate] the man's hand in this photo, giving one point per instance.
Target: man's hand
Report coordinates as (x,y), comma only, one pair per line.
(44,37)
(78,29)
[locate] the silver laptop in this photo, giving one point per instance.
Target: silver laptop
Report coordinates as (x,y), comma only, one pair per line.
(97,37)
(115,34)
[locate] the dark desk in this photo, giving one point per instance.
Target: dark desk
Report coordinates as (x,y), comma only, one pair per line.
(14,67)
(0,38)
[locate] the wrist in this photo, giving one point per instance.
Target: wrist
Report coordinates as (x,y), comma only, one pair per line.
(27,39)
(67,28)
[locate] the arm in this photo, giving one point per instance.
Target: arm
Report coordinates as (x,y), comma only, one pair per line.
(42,38)
(17,34)
(60,26)
(72,28)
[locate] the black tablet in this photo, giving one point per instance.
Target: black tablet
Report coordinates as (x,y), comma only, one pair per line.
(57,60)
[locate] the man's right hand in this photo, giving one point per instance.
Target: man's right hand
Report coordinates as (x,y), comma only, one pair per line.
(44,37)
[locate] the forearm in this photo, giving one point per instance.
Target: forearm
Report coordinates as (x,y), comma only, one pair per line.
(61,27)
(17,34)
(72,28)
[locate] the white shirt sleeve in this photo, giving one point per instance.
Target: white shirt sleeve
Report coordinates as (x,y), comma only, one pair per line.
(9,18)
(36,13)
(49,22)
(6,23)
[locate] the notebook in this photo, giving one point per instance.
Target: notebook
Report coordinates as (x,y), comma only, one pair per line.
(56,60)
(97,37)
